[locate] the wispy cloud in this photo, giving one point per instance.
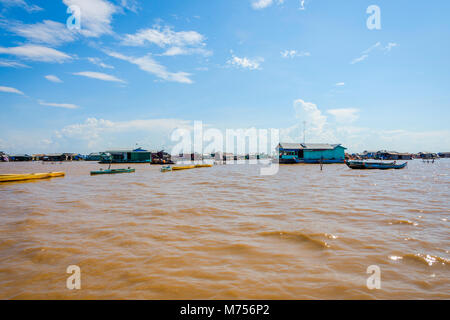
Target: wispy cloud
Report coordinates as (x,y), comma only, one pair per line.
(53,78)
(163,37)
(131,5)
(148,64)
(175,51)
(261,4)
(389,46)
(100,63)
(99,76)
(340,84)
(359,59)
(377,46)
(20,3)
(36,53)
(46,32)
(10,90)
(176,42)
(12,64)
(294,53)
(58,105)
(368,50)
(246,63)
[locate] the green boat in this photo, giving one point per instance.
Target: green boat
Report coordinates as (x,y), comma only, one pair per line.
(166,169)
(112,171)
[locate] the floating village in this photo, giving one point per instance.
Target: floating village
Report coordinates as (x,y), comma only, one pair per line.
(285,153)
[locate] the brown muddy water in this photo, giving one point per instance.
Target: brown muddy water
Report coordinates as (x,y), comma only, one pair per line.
(226,233)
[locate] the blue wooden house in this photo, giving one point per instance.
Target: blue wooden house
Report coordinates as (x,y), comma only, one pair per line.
(310,153)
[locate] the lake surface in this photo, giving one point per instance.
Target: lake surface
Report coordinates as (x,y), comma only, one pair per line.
(226,232)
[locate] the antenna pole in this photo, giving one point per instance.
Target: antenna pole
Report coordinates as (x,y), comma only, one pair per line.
(304,131)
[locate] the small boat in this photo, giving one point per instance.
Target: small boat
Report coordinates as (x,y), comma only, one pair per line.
(29,176)
(112,171)
(203,165)
(375,165)
(183,168)
(166,169)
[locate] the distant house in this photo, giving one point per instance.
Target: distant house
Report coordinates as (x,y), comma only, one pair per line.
(21,157)
(310,153)
(59,157)
(96,156)
(393,155)
(128,156)
(427,155)
(38,157)
(369,154)
(444,154)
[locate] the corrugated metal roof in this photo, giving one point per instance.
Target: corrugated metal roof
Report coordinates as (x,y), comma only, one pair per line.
(287,145)
(314,146)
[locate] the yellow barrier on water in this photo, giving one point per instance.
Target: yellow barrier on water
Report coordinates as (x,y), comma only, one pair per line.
(29,176)
(203,165)
(183,168)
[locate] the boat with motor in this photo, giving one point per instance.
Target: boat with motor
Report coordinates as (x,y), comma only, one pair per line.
(375,165)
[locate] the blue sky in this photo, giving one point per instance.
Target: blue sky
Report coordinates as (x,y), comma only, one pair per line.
(136,70)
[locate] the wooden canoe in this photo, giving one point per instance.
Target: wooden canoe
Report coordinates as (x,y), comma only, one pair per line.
(112,171)
(375,165)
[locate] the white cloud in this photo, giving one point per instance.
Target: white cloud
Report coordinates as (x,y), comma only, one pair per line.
(36,53)
(164,37)
(246,63)
(376,45)
(379,46)
(12,64)
(148,64)
(99,63)
(99,76)
(340,84)
(58,105)
(20,3)
(131,5)
(358,139)
(362,58)
(176,42)
(10,90)
(175,51)
(309,112)
(389,46)
(53,78)
(96,16)
(262,4)
(345,115)
(294,53)
(47,32)
(99,134)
